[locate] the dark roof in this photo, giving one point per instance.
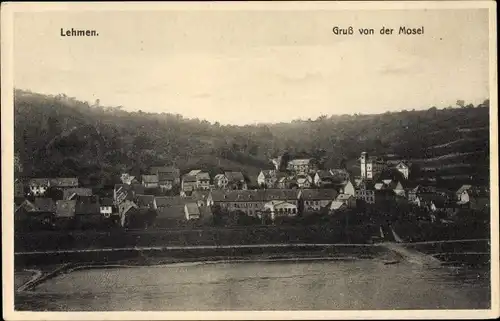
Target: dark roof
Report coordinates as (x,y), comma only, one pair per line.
(165,169)
(39,181)
(86,206)
(45,204)
(268,173)
(67,192)
(65,208)
(168,201)
(234,176)
(200,195)
(64,182)
(319,194)
(106,201)
(254,195)
(150,178)
(165,176)
(324,174)
(18,200)
(188,178)
(145,200)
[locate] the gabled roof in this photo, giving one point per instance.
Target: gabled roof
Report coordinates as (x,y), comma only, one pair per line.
(39,181)
(300,161)
(150,179)
(324,174)
(189,178)
(200,195)
(44,204)
(424,189)
(318,194)
(64,182)
(343,197)
(86,205)
(192,209)
(106,201)
(234,176)
(219,176)
(170,201)
(165,169)
(269,173)
(254,195)
(203,175)
(463,188)
(335,205)
(194,172)
(65,208)
(145,200)
(81,191)
(166,176)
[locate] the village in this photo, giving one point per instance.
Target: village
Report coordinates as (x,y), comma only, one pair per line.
(299,189)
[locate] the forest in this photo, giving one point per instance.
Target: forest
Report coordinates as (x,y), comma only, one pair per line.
(57,135)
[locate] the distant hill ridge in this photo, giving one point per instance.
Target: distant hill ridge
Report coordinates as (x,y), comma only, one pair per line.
(61,136)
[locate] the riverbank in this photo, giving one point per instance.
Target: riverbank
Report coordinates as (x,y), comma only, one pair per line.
(200,255)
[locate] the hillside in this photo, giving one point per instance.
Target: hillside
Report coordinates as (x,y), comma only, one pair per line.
(58,135)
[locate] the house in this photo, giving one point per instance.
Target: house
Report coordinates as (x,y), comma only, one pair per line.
(65,209)
(63,182)
(430,202)
(106,207)
(404,168)
(166,181)
(122,192)
(339,175)
(303,165)
(172,172)
(201,198)
(267,178)
(202,179)
(45,205)
(71,193)
(251,202)
(337,206)
(280,208)
(463,188)
(316,199)
(38,186)
(126,209)
(150,181)
(276,162)
(304,181)
(285,182)
(371,166)
(474,197)
(323,178)
(189,184)
(420,190)
(145,201)
(230,180)
(365,191)
(128,179)
(220,181)
(171,210)
(192,211)
(348,188)
(22,210)
(348,200)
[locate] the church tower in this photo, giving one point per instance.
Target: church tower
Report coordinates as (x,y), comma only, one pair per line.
(363,161)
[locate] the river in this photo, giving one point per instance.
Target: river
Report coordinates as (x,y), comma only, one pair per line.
(363,284)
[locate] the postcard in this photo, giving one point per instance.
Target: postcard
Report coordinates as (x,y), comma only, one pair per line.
(249,160)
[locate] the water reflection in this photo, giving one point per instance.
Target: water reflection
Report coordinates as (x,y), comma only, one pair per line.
(281,285)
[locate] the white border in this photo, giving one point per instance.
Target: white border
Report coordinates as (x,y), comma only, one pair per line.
(8,9)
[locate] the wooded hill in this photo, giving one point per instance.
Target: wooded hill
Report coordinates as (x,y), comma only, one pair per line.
(61,136)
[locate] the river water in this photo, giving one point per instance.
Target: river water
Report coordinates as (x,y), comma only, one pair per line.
(278,285)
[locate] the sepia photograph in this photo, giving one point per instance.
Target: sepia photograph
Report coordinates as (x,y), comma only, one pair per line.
(302,159)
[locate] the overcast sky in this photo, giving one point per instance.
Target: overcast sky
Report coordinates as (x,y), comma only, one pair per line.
(243,67)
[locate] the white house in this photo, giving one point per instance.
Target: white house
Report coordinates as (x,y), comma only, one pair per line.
(280,208)
(106,207)
(404,168)
(348,189)
(267,178)
(304,165)
(191,211)
(304,181)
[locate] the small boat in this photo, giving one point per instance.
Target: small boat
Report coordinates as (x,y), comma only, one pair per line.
(391,262)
